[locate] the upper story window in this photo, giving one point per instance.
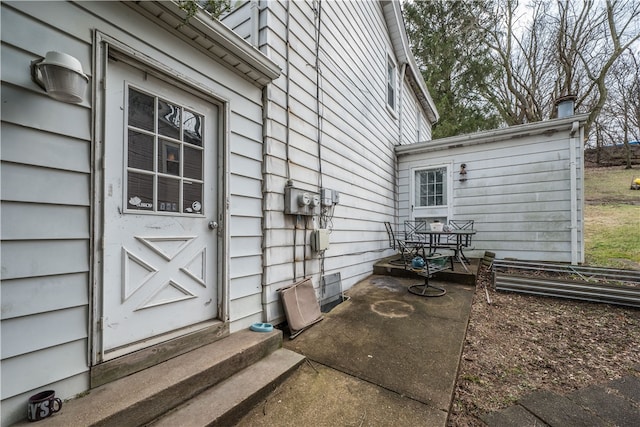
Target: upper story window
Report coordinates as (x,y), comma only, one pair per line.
(391,83)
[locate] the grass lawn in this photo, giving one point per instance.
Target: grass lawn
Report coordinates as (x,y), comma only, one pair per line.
(610,184)
(612,218)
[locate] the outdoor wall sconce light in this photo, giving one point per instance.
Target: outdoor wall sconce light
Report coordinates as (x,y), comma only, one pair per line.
(61,76)
(463,172)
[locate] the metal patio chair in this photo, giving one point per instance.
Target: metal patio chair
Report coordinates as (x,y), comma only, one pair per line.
(407,252)
(460,225)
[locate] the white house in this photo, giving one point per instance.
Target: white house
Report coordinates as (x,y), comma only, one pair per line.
(154,209)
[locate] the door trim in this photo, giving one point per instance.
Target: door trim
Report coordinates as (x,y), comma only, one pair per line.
(103,46)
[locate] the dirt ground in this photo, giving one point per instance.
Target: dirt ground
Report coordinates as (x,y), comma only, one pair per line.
(521,343)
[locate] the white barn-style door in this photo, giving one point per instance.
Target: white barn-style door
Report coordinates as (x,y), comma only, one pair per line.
(160,208)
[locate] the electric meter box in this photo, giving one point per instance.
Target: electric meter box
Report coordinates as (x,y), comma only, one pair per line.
(329,197)
(301,202)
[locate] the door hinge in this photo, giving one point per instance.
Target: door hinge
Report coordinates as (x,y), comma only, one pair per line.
(101,324)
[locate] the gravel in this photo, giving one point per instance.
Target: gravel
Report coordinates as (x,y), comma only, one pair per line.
(521,343)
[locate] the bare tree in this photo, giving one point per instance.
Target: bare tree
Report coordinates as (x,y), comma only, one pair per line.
(520,47)
(619,118)
(549,49)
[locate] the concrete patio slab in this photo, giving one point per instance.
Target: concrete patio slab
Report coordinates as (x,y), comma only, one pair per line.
(558,411)
(389,337)
(318,396)
(385,357)
(607,405)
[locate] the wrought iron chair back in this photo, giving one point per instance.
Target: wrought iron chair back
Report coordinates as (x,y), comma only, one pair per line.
(392,238)
(407,250)
(411,229)
(462,225)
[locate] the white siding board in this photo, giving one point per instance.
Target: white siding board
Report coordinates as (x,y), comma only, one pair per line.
(32,184)
(520,197)
(22,221)
(245,147)
(44,113)
(274,145)
(245,206)
(246,266)
(33,370)
(245,227)
(244,186)
(245,246)
(250,129)
(69,325)
(244,286)
(69,290)
(43,258)
(277,273)
(237,17)
(65,389)
(244,307)
(275,171)
(247,167)
(33,147)
(276,220)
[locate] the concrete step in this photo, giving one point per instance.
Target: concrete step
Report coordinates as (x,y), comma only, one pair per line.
(145,396)
(227,402)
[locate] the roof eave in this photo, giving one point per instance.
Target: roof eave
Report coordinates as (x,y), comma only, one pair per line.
(511,132)
(216,38)
(395,22)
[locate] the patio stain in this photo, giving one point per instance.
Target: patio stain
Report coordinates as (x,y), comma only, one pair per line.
(392,309)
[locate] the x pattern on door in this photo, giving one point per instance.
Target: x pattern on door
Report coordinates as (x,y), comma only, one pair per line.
(137,272)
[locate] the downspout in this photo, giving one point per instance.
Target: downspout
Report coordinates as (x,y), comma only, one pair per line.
(574,191)
(288,130)
(581,151)
(400,90)
(396,197)
(265,135)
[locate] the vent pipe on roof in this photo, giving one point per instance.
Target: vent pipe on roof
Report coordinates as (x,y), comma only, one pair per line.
(565,106)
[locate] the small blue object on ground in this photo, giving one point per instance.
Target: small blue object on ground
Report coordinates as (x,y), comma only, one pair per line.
(262,327)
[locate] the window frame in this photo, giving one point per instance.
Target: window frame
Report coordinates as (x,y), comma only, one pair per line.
(391,92)
(161,142)
(429,213)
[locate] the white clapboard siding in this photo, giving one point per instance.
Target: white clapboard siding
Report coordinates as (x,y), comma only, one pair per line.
(34,370)
(518,189)
(45,187)
(66,387)
(357,137)
(19,296)
(25,334)
(47,178)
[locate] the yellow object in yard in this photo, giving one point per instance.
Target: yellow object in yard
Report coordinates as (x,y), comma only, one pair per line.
(636,181)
